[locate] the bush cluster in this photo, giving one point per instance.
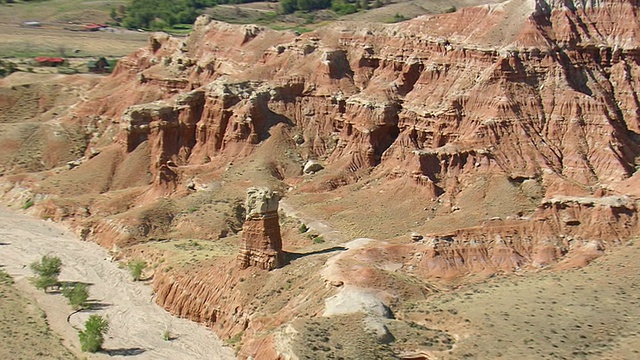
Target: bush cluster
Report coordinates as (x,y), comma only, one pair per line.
(158,14)
(47,271)
(340,7)
(92,337)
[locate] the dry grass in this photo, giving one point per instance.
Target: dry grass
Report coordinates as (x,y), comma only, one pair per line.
(53,40)
(23,328)
(19,42)
(575,314)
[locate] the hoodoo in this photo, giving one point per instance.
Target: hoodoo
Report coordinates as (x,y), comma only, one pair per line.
(261,241)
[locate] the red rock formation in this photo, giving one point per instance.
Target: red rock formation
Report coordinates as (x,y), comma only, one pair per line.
(428,98)
(572,229)
(261,242)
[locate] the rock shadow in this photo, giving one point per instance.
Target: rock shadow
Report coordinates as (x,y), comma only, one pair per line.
(57,289)
(73,283)
(124,351)
(291,256)
(97,305)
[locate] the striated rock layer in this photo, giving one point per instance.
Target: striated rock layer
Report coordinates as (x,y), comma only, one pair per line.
(529,93)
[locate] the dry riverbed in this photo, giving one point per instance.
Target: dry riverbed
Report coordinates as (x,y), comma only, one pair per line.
(137,324)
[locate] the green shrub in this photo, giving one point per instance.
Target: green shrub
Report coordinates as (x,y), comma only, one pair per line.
(92,338)
(136,268)
(398,18)
(236,338)
(343,8)
(47,271)
(28,204)
(77,295)
(318,240)
(303,228)
(45,282)
(67,70)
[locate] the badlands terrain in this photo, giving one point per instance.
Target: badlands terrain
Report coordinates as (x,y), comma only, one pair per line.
(458,185)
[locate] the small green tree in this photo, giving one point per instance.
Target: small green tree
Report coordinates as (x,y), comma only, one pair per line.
(92,338)
(77,295)
(47,271)
(136,268)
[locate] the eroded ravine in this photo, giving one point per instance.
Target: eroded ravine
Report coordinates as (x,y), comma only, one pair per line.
(137,324)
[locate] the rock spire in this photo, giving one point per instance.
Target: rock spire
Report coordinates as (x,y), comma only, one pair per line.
(261,241)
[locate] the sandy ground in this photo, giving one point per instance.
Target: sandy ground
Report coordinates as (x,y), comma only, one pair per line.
(137,324)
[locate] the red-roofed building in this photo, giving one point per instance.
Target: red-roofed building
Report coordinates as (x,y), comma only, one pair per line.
(94,27)
(49,61)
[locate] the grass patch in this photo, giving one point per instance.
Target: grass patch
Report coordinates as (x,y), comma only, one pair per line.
(29,203)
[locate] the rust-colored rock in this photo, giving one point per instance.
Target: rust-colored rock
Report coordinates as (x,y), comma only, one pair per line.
(261,242)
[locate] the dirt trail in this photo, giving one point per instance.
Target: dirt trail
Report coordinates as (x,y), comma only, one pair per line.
(137,323)
(320,226)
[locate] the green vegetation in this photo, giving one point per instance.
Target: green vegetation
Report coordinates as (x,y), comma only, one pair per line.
(77,295)
(236,338)
(136,268)
(159,14)
(343,8)
(47,271)
(5,279)
(398,18)
(318,240)
(303,228)
(92,338)
(29,203)
(7,68)
(340,7)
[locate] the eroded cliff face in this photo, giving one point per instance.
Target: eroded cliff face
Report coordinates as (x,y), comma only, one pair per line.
(541,93)
(427,98)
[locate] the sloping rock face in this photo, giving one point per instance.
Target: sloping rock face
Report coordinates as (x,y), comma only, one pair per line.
(573,230)
(261,242)
(551,96)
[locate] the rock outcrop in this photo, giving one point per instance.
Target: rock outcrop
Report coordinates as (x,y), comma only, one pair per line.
(261,242)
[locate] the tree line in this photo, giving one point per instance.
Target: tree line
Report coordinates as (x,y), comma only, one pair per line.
(158,14)
(46,273)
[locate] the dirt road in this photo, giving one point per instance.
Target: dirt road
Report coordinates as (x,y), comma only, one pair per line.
(320,226)
(137,324)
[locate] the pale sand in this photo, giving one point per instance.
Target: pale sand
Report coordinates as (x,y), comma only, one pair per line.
(137,324)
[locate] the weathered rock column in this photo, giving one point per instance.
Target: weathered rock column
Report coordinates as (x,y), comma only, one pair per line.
(261,241)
